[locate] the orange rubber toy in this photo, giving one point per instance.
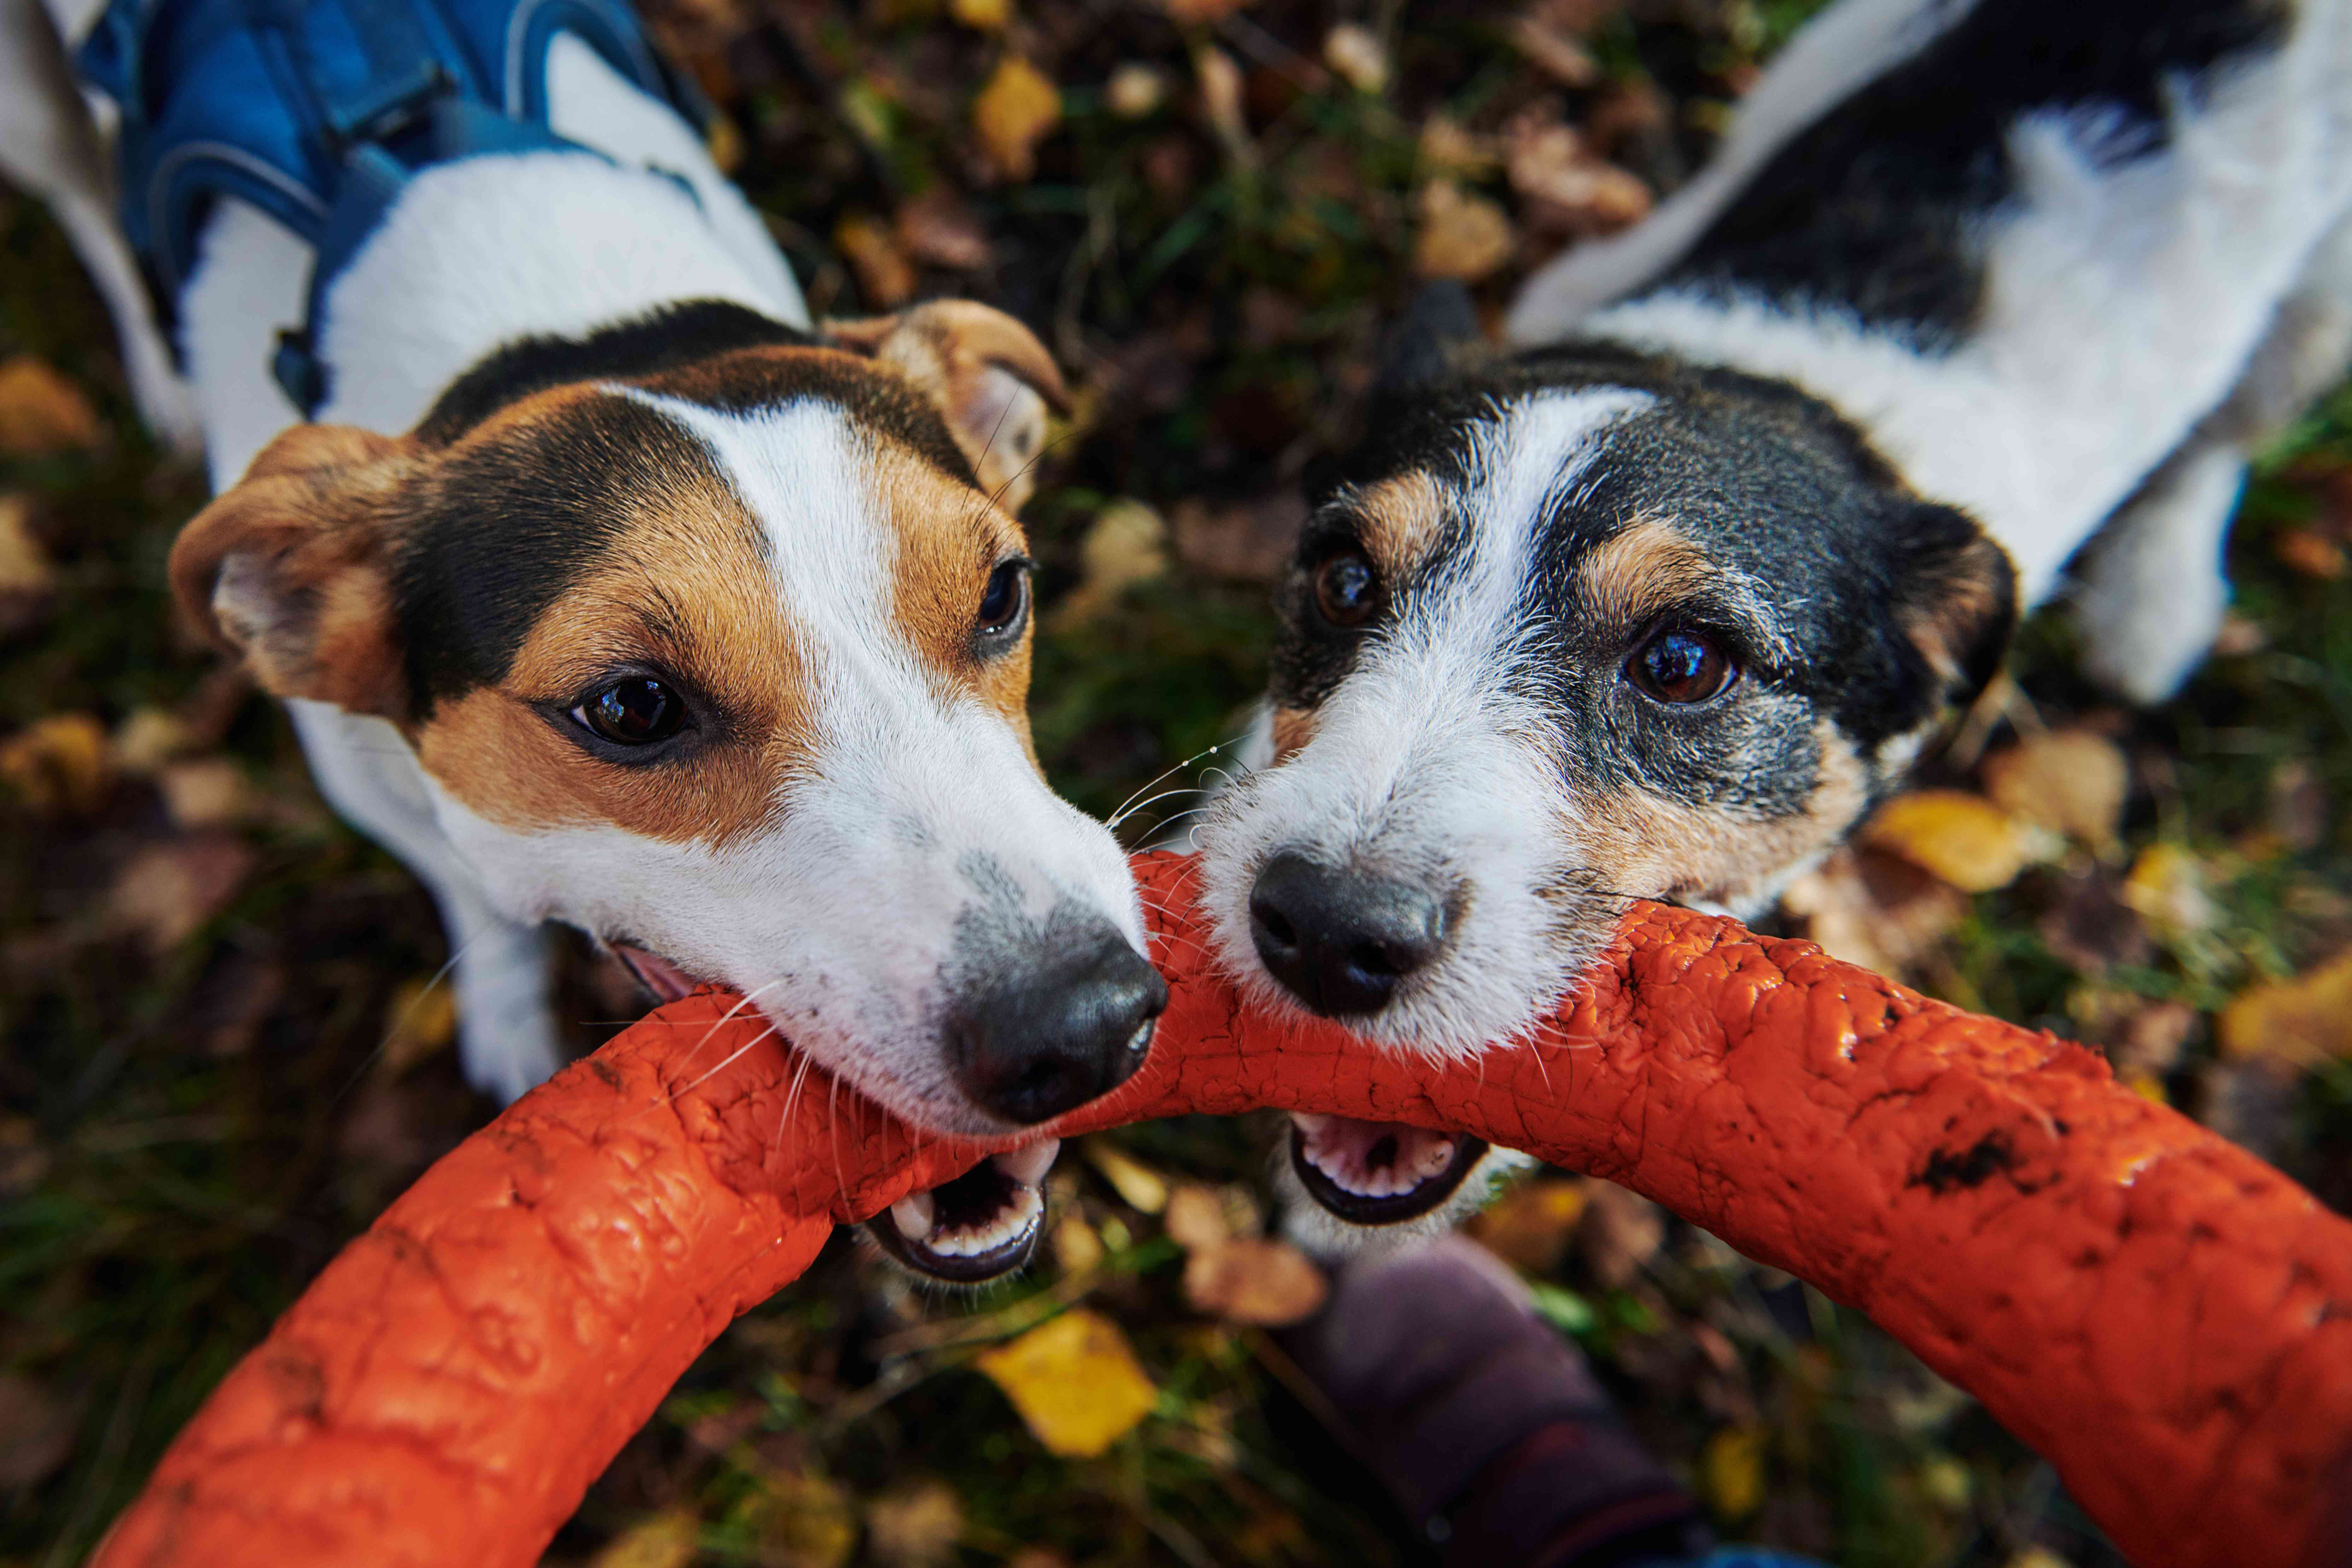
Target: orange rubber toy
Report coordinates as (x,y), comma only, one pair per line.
(2165,1317)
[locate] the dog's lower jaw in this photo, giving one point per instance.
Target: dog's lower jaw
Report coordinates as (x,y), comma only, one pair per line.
(975,1229)
(1311,1227)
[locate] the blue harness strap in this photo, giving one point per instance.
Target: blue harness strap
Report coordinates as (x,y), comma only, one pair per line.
(319,111)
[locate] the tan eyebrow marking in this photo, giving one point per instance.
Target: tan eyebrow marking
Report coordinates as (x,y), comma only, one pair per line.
(1639,570)
(1402,519)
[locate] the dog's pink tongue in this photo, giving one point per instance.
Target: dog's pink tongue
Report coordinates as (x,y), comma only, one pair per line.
(655,973)
(1374,1159)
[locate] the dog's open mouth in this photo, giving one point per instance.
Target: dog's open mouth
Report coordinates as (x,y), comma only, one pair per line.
(984,1223)
(1378,1173)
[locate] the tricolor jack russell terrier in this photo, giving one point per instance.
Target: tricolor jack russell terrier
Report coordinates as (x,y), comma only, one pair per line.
(1659,605)
(606,590)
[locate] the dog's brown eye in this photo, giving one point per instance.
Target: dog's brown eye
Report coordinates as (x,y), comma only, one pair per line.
(1003,600)
(1681,667)
(634,712)
(1347,589)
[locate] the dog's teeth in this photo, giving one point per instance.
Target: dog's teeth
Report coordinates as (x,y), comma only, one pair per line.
(1311,1123)
(1026,1206)
(912,1216)
(1028,1166)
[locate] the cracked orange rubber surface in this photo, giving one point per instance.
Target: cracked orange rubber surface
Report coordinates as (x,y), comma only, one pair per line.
(2165,1317)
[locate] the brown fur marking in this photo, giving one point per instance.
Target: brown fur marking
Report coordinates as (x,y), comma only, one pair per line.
(1639,570)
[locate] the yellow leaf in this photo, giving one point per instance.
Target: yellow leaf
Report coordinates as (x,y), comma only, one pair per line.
(664,1540)
(1254,1280)
(1731,1471)
(987,15)
(23,565)
(1125,548)
(2302,1023)
(1075,1382)
(724,142)
(1354,51)
(1142,1187)
(1530,1226)
(41,412)
(804,1521)
(2039,1557)
(885,276)
(1460,235)
(59,763)
(1076,1248)
(1013,112)
(1964,840)
(2166,888)
(1135,90)
(422,1020)
(2072,781)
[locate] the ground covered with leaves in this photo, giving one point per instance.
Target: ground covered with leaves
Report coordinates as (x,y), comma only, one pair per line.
(226,1048)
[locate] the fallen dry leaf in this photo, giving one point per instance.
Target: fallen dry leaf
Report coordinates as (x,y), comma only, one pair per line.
(986,16)
(804,1521)
(2038,1557)
(1460,235)
(2072,781)
(2311,552)
(724,142)
(1353,51)
(1240,541)
(940,228)
(2298,1023)
(1530,1225)
(1013,112)
(885,277)
(41,412)
(1621,1231)
(166,892)
(420,1019)
(1873,909)
(1076,1248)
(27,580)
(913,1526)
(206,793)
(2167,886)
(36,1432)
(1553,50)
(1135,90)
(1220,104)
(1731,1471)
(664,1540)
(1125,547)
(1254,1280)
(1074,1383)
(1196,1218)
(1142,1188)
(2090,926)
(2154,1041)
(57,764)
(147,740)
(1448,147)
(1195,13)
(1965,839)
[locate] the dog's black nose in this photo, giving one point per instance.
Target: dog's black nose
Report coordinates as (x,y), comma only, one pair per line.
(1341,940)
(1058,1029)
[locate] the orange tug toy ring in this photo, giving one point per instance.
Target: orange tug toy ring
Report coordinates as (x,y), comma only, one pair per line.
(2163,1317)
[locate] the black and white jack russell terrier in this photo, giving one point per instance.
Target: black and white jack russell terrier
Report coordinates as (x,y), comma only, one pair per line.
(1978,299)
(604,587)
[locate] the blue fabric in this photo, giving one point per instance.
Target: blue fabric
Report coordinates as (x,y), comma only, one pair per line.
(318,110)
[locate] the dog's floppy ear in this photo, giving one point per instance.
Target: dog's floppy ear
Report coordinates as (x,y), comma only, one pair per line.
(291,569)
(989,374)
(1957,599)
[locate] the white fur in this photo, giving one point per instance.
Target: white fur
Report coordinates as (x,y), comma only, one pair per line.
(1425,766)
(841,917)
(2123,305)
(1839,52)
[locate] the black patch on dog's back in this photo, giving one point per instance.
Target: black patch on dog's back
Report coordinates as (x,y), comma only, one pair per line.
(669,339)
(1875,207)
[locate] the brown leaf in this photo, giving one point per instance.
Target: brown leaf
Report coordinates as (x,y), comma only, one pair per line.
(41,412)
(1460,235)
(1965,839)
(206,793)
(2154,1041)
(1196,1218)
(1013,112)
(1353,51)
(167,891)
(940,228)
(2072,781)
(1254,1280)
(57,764)
(915,1526)
(1553,50)
(1243,541)
(36,1432)
(147,740)
(1076,1248)
(2299,1023)
(2311,552)
(1620,1232)
(1873,909)
(1075,1382)
(1530,1225)
(420,1021)
(1564,186)
(804,1521)
(1220,104)
(2091,927)
(984,16)
(1447,147)
(27,580)
(1141,1187)
(885,277)
(1125,547)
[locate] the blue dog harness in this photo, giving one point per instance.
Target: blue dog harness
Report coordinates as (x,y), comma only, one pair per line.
(317,111)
